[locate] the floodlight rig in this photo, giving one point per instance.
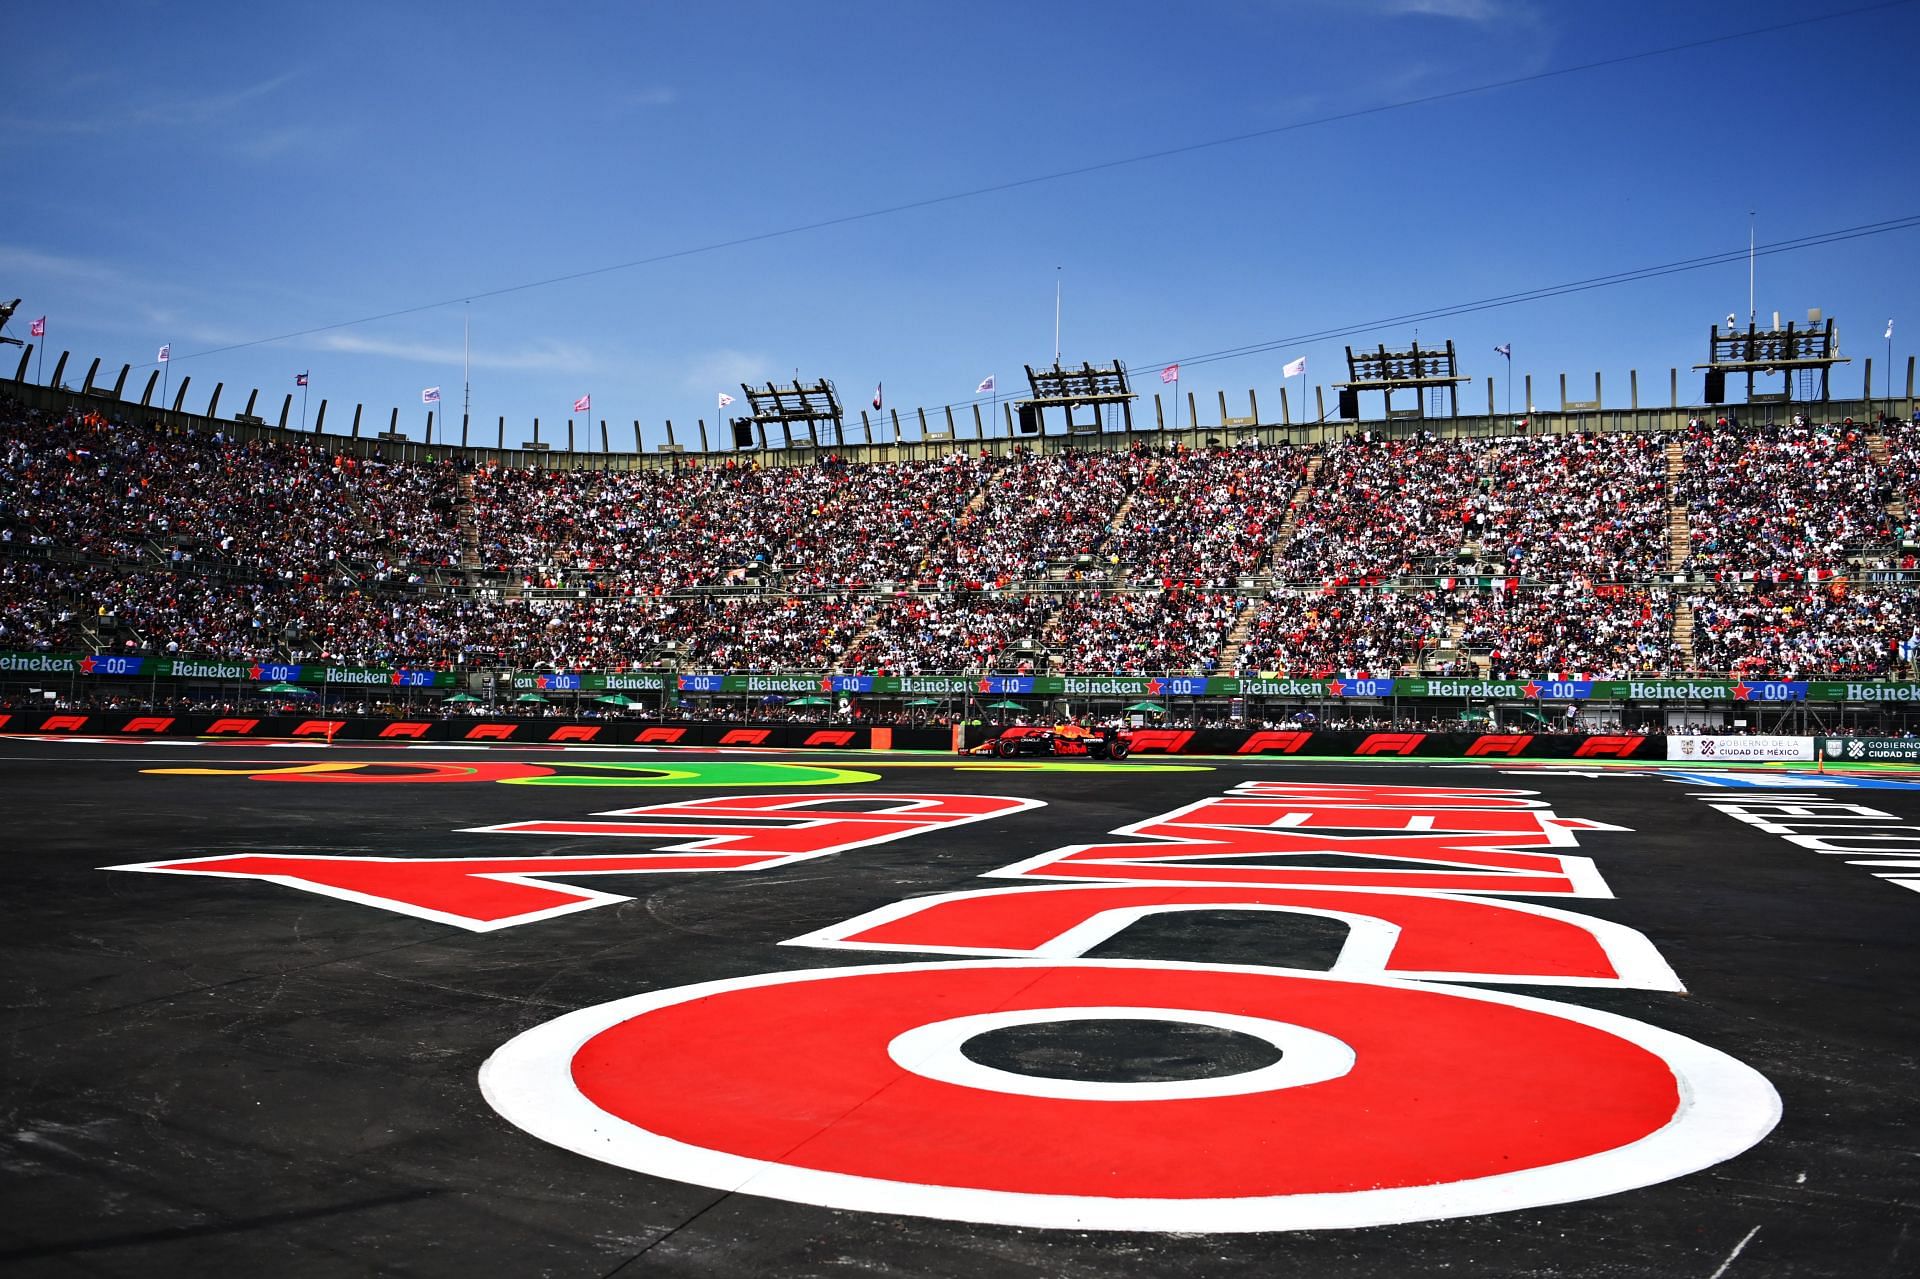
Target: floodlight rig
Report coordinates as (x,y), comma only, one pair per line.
(1776,350)
(784,406)
(1067,389)
(1413,369)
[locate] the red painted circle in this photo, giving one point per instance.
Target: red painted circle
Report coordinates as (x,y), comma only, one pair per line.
(1444,1087)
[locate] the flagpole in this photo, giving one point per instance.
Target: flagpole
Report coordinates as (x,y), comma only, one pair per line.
(466,365)
(303,401)
(166,369)
(1056,317)
(40,362)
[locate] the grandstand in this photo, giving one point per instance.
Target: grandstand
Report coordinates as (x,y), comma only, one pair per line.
(1667,546)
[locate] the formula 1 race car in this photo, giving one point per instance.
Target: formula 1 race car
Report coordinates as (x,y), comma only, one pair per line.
(1062,739)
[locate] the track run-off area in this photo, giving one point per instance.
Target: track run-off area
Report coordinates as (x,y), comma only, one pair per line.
(417,1009)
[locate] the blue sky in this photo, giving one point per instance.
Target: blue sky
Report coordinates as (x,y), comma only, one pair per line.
(213,175)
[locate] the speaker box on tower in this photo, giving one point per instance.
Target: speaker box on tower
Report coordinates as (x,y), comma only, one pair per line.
(1716,386)
(743,433)
(1029,420)
(1350,404)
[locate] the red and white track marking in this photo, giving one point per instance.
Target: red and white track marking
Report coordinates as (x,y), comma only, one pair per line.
(1391,932)
(810,1087)
(718,833)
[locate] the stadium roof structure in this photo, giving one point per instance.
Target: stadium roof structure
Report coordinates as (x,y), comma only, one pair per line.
(786,406)
(1413,369)
(1776,350)
(1067,389)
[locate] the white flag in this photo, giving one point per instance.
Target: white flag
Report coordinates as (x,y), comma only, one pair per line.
(430,396)
(166,353)
(1295,368)
(985,386)
(725,399)
(1889,330)
(584,404)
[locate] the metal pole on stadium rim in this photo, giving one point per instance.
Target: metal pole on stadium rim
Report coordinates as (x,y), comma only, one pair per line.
(304,379)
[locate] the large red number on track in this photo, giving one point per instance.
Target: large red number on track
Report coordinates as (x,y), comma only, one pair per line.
(1394,1098)
(1391,1101)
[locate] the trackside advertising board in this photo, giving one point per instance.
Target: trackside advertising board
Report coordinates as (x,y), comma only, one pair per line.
(1699,749)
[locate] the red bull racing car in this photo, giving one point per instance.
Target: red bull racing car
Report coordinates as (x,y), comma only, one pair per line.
(1060,740)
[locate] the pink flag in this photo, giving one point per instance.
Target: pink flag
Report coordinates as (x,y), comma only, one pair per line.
(1170,374)
(583,405)
(39,329)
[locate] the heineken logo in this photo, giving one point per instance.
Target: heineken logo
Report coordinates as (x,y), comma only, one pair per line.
(1085,687)
(1883,692)
(1660,690)
(782,683)
(35,662)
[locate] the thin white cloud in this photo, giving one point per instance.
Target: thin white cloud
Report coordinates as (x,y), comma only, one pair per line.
(15,260)
(167,111)
(549,357)
(1460,10)
(723,370)
(657,95)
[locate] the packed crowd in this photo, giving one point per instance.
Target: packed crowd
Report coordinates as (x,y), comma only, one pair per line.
(86,484)
(1380,507)
(1141,632)
(964,631)
(1570,632)
(1781,501)
(1553,506)
(833,525)
(143,539)
(1034,511)
(1792,632)
(1206,518)
(1348,633)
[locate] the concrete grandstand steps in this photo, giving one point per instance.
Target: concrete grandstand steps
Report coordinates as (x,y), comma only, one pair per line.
(1292,521)
(1683,634)
(1877,449)
(1679,530)
(469,528)
(1237,635)
(974,506)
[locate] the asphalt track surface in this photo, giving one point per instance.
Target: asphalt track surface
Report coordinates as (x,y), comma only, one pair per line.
(230,1075)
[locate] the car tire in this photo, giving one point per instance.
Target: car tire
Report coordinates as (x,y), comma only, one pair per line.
(1006,748)
(1117,749)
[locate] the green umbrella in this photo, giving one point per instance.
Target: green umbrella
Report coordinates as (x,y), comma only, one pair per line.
(460,697)
(291,690)
(1151,708)
(811,701)
(924,701)
(1006,706)
(615,699)
(529,697)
